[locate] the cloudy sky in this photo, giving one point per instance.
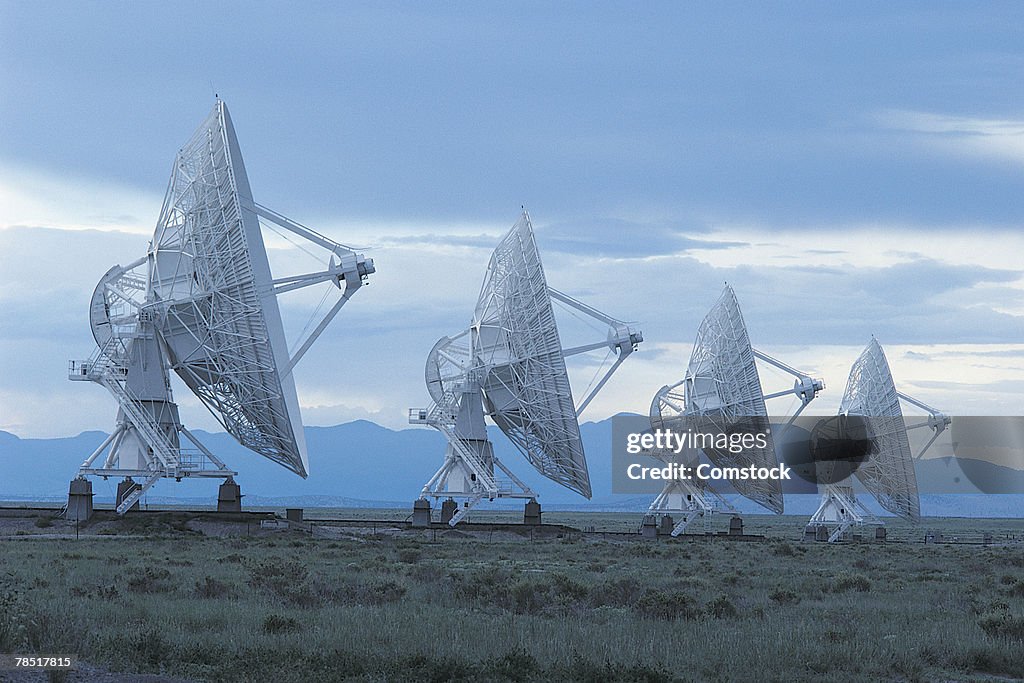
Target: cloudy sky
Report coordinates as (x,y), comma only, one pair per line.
(850,169)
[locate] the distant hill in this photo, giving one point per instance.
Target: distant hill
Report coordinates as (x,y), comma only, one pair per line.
(363,464)
(359,460)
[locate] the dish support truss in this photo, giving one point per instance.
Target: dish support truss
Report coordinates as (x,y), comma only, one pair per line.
(690,499)
(131,362)
(470,471)
(839,509)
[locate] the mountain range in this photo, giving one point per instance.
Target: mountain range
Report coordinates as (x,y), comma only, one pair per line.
(361,464)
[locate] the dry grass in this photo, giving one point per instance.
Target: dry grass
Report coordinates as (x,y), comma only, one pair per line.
(287,607)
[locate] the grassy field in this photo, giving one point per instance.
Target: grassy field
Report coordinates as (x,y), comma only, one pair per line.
(219,602)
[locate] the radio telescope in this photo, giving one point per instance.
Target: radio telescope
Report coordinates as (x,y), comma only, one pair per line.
(203,302)
(888,471)
(510,365)
(720,393)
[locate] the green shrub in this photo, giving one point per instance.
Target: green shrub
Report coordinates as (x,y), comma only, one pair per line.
(13,618)
(284,579)
(622,591)
(668,605)
(1002,624)
(210,588)
(784,596)
(784,549)
(409,555)
(382,592)
(732,579)
(722,608)
(515,665)
(581,669)
(275,624)
(529,597)
(846,582)
(568,590)
(150,580)
(149,648)
(999,660)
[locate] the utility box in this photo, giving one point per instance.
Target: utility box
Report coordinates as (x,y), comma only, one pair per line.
(79,500)
(229,497)
(649,527)
(448,510)
(881,534)
(531,513)
(736,526)
(421,513)
(666,526)
(293,514)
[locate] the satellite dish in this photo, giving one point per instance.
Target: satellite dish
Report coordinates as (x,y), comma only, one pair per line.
(721,393)
(687,498)
(510,365)
(203,302)
(888,470)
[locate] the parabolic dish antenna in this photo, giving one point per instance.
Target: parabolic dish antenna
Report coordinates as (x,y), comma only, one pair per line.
(720,394)
(203,302)
(510,365)
(887,472)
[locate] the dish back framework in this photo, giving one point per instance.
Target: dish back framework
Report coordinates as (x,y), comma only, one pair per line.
(510,365)
(203,303)
(719,393)
(888,472)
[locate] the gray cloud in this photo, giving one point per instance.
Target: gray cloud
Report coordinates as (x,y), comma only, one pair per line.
(582,124)
(924,278)
(1002,386)
(938,355)
(924,302)
(613,237)
(481,241)
(125,219)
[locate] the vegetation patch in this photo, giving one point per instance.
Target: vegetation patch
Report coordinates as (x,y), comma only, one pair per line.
(850,582)
(669,606)
(415,607)
(275,623)
(150,580)
(784,596)
(1003,624)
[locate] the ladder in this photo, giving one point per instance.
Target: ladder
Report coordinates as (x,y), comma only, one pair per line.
(107,368)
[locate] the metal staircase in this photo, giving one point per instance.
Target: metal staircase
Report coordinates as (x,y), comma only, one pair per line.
(441,416)
(484,475)
(107,367)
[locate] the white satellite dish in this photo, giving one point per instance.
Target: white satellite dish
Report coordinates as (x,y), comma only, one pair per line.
(203,302)
(510,365)
(888,471)
(721,391)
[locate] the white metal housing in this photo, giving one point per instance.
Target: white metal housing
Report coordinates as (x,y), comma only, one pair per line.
(888,474)
(720,391)
(510,365)
(203,303)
